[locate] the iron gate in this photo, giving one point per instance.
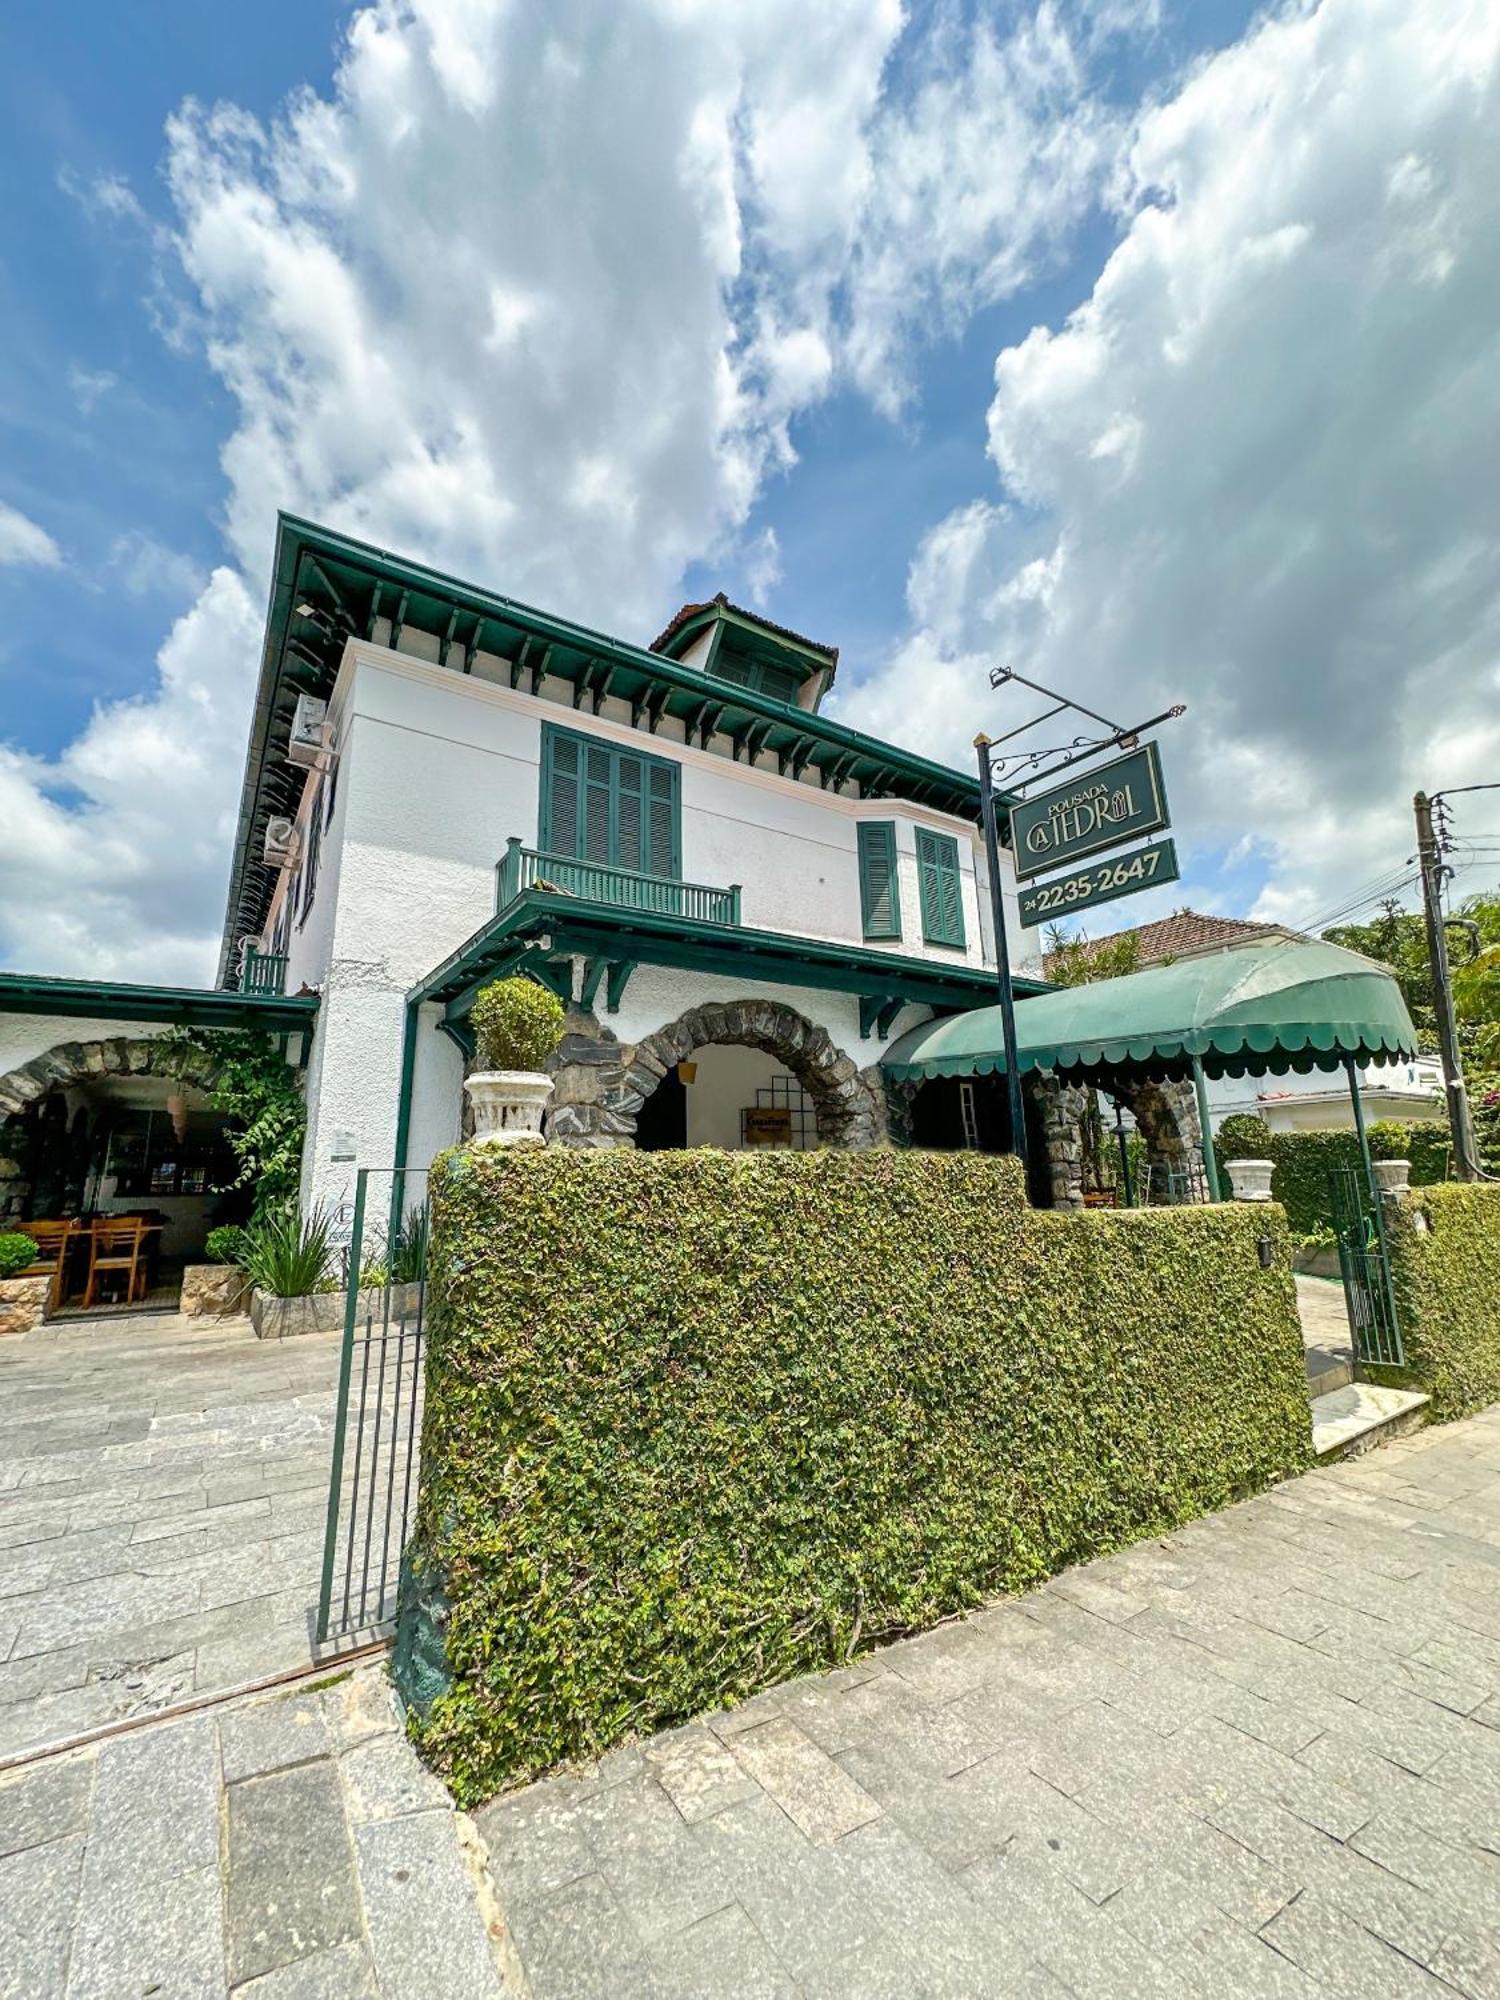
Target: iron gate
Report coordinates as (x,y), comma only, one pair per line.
(1365,1268)
(378,1420)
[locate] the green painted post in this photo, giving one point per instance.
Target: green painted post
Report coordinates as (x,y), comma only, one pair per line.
(1206,1132)
(341,1410)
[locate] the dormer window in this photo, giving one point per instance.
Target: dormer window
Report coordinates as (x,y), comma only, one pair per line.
(730,644)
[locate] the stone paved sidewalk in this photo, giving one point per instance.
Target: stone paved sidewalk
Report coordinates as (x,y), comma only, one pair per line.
(1259,1757)
(285,1847)
(162,1492)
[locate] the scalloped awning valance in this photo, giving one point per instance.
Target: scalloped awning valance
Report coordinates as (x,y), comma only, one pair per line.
(1269,1007)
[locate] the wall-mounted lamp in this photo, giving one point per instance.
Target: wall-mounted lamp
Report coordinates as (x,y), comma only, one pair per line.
(687,1072)
(1267,1251)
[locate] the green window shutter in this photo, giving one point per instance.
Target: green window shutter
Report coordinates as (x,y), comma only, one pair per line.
(618,808)
(879,886)
(940,884)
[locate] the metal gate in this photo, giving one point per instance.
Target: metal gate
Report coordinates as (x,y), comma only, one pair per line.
(1365,1268)
(378,1420)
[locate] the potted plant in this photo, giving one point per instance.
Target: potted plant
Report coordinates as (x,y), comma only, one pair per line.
(1251,1179)
(287,1259)
(216,1287)
(517,1026)
(23,1301)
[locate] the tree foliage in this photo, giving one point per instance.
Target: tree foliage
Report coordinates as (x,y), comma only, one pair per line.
(260,1095)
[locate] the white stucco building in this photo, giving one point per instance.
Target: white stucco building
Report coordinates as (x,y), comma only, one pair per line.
(444,785)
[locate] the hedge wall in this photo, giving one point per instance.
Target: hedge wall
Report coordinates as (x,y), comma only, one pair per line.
(698,1421)
(1304,1160)
(1445,1259)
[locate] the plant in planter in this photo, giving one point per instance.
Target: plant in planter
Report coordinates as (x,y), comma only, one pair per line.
(225,1245)
(289,1262)
(17,1252)
(517,1026)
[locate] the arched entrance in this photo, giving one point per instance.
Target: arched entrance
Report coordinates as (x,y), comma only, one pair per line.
(117,1126)
(606,1103)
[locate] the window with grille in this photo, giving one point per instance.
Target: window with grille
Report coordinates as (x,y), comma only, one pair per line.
(609,805)
(879,888)
(941,888)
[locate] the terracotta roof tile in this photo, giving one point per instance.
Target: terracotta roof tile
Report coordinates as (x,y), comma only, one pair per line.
(1182,934)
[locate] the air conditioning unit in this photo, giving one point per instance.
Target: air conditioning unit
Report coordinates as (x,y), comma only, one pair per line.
(305,745)
(283,843)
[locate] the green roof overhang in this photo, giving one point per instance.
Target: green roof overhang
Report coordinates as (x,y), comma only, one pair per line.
(180,1006)
(1277,1007)
(349,584)
(541,927)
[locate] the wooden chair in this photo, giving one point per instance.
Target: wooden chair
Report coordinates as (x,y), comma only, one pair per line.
(117,1246)
(54,1241)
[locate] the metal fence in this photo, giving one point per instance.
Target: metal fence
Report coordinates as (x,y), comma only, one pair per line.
(1364,1265)
(378,1419)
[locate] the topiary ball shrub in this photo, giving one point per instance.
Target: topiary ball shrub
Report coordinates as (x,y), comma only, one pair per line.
(517,1025)
(225,1245)
(1243,1136)
(16,1253)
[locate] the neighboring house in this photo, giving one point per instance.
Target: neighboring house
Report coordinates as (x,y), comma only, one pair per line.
(1290,1103)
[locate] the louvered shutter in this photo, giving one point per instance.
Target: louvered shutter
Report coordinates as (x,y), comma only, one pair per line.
(663,821)
(560,814)
(879,891)
(597,817)
(940,886)
(630,846)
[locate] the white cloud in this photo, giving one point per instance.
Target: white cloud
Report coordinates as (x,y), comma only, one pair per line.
(116,856)
(89,385)
(762,563)
(1255,470)
(145,567)
(537,294)
(23,543)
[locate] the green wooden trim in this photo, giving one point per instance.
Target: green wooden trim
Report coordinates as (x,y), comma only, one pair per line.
(615,984)
(940,888)
(594,970)
(879,879)
(192,1007)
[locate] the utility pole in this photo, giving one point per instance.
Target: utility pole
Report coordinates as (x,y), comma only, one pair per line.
(1003,980)
(1429,859)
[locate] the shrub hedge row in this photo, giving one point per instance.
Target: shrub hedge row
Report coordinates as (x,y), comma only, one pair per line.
(1304,1160)
(1445,1260)
(699,1421)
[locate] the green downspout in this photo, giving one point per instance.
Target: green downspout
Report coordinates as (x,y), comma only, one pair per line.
(403,1113)
(1206,1132)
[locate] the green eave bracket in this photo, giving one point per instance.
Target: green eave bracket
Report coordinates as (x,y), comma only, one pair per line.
(876,1013)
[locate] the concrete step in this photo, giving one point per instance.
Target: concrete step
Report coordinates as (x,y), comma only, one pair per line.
(1356,1418)
(1327,1372)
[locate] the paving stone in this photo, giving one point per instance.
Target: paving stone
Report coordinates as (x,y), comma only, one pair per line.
(646,1854)
(290,1887)
(357,1706)
(576,1943)
(150,1941)
(344,1973)
(698,1773)
(266,1734)
(42,1673)
(955,1943)
(1221,1958)
(427,1937)
(536,1838)
(38,1906)
(722,1957)
(156,1807)
(45,1802)
(1333,1949)
(811,1789)
(384,1779)
(53,1718)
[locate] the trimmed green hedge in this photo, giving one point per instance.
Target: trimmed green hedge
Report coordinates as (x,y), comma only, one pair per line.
(1445,1259)
(1304,1160)
(697,1421)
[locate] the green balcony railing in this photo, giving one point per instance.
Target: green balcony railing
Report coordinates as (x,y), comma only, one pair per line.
(263,971)
(525,868)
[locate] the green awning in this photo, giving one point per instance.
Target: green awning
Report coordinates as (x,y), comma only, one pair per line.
(1245,1011)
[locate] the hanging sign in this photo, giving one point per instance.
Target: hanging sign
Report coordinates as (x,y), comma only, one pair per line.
(1086,815)
(1100,882)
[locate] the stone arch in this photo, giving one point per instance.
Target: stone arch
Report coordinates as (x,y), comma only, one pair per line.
(23,1088)
(602,1086)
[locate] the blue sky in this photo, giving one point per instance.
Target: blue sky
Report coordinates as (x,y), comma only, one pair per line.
(1186,480)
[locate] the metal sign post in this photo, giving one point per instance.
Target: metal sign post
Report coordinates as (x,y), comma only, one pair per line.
(987,808)
(1116,803)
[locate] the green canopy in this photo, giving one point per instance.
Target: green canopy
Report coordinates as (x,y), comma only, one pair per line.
(1280,1006)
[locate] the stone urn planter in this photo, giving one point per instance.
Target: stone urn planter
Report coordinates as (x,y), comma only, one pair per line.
(23,1303)
(213,1291)
(508,1105)
(1250,1180)
(1392,1176)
